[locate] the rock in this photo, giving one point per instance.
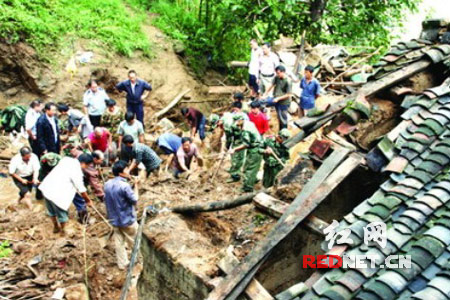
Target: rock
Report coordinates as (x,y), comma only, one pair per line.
(165,124)
(20,247)
(12,91)
(178,47)
(77,292)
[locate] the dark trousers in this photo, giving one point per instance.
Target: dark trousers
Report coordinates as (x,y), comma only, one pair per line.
(79,203)
(95,120)
(138,110)
(282,111)
(34,146)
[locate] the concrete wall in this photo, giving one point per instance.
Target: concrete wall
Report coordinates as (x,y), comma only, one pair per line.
(162,279)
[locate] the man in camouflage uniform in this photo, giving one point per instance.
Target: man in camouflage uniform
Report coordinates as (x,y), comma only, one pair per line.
(234,139)
(112,117)
(48,161)
(251,143)
(271,146)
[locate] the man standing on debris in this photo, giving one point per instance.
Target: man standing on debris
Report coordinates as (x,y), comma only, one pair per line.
(47,131)
(281,99)
(60,187)
(274,151)
(310,91)
(120,201)
(251,141)
(137,91)
(196,120)
(94,102)
(131,126)
(139,153)
(24,170)
(258,118)
(253,68)
(268,61)
(183,159)
(33,114)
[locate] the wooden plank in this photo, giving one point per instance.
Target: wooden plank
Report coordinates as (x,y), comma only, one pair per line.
(306,201)
(226,89)
(238,64)
(277,208)
(172,104)
(340,140)
(292,292)
(255,290)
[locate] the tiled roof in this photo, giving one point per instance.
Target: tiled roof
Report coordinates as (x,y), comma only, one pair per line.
(414,202)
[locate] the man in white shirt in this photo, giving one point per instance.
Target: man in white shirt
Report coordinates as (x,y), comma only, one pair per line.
(60,186)
(268,61)
(253,68)
(94,102)
(24,169)
(33,114)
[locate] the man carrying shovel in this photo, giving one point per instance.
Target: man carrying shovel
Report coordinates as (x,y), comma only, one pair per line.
(275,156)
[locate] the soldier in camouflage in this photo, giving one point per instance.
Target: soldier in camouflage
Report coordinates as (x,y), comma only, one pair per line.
(250,142)
(112,117)
(271,146)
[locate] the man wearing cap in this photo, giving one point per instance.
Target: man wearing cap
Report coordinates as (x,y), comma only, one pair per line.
(272,149)
(251,142)
(310,91)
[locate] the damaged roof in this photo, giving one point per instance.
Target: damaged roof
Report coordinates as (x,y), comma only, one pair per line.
(414,202)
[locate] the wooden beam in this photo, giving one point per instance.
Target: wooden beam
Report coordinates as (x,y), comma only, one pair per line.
(325,180)
(172,104)
(230,89)
(238,64)
(254,290)
(214,206)
(276,208)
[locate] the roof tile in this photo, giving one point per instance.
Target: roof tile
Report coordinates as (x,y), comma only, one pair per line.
(381,289)
(337,292)
(439,232)
(394,280)
(421,257)
(352,280)
(429,293)
(431,271)
(418,284)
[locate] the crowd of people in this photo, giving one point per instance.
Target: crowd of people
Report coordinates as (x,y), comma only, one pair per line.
(68,147)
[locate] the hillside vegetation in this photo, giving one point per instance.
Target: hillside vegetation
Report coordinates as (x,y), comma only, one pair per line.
(47,25)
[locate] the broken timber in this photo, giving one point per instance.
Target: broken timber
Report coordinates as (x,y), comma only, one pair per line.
(226,89)
(368,90)
(328,176)
(276,208)
(172,104)
(254,290)
(214,206)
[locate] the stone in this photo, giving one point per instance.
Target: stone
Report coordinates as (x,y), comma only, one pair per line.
(77,292)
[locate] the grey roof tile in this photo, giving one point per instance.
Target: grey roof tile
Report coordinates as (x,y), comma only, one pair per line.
(366,295)
(321,285)
(362,208)
(397,238)
(381,289)
(352,280)
(431,201)
(411,223)
(440,232)
(442,284)
(421,256)
(418,284)
(337,292)
(425,209)
(394,280)
(429,293)
(431,271)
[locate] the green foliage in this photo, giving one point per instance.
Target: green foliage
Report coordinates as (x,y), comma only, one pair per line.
(47,24)
(5,249)
(217,31)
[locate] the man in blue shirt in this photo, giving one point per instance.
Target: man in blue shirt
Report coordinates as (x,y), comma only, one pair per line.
(169,143)
(310,91)
(120,201)
(137,90)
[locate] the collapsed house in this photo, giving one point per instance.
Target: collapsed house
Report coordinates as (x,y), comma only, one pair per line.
(414,156)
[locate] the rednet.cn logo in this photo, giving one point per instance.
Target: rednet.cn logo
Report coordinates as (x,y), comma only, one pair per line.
(374,232)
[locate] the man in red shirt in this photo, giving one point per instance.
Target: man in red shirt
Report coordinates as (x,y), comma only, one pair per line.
(256,116)
(101,139)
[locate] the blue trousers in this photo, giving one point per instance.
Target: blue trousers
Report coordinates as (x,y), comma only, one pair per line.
(79,203)
(137,109)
